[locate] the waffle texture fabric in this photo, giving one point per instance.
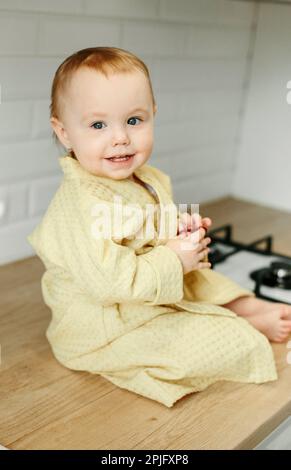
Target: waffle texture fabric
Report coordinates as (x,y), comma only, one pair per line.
(121,306)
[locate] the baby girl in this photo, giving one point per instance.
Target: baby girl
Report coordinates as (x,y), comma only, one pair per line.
(150,315)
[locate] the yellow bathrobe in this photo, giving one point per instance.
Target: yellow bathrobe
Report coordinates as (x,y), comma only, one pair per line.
(121,306)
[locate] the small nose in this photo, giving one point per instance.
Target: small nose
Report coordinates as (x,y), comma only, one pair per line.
(120,136)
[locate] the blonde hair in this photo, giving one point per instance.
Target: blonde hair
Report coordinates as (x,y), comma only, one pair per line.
(105,60)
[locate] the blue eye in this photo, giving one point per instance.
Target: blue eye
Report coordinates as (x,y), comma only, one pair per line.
(98,122)
(134,118)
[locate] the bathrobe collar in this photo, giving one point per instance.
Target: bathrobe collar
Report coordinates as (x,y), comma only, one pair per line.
(126,187)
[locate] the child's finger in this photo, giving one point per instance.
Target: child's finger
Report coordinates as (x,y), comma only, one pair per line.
(184,222)
(188,222)
(197,236)
(191,223)
(202,265)
(182,235)
(181,227)
(206,222)
(202,254)
(195,222)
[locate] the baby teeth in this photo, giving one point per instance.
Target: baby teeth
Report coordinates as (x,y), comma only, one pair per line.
(119,159)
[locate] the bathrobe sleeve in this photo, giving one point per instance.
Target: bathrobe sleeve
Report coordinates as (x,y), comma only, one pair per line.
(113,273)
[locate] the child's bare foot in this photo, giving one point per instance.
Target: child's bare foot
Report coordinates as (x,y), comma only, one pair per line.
(275,323)
(271,318)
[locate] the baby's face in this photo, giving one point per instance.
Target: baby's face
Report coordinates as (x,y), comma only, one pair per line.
(105,117)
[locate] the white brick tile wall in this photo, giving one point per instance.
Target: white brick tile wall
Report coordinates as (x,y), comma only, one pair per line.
(195,190)
(18,35)
(208,103)
(155,39)
(40,125)
(200,161)
(217,42)
(40,194)
(196,51)
(14,202)
(167,106)
(263,163)
(195,105)
(27,77)
(15,121)
(207,11)
(65,36)
(13,240)
(28,159)
(17,202)
(124,9)
(211,74)
(54,6)
(3,204)
(181,136)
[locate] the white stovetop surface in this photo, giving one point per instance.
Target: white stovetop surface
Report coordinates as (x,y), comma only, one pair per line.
(239,265)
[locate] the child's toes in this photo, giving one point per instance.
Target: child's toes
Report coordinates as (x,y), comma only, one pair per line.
(281,336)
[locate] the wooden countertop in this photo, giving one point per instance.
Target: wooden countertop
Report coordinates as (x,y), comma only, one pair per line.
(46,406)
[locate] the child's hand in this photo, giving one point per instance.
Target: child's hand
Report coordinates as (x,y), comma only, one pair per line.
(191,248)
(186,223)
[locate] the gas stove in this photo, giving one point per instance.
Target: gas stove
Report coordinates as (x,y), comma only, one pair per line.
(254,266)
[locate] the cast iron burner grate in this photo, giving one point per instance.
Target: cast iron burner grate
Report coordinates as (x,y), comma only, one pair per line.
(254,266)
(278,274)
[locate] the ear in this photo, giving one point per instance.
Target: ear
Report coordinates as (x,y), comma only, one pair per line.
(61,132)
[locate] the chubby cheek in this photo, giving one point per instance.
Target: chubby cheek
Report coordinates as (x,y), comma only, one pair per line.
(145,142)
(91,147)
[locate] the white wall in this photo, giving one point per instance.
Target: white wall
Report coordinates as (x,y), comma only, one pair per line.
(196,51)
(263,166)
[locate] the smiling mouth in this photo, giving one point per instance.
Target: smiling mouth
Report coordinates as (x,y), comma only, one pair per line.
(120,159)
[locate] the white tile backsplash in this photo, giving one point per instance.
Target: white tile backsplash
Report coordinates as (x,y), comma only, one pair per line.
(18,35)
(67,35)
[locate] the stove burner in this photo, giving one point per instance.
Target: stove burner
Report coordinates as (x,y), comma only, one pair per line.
(214,255)
(278,274)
